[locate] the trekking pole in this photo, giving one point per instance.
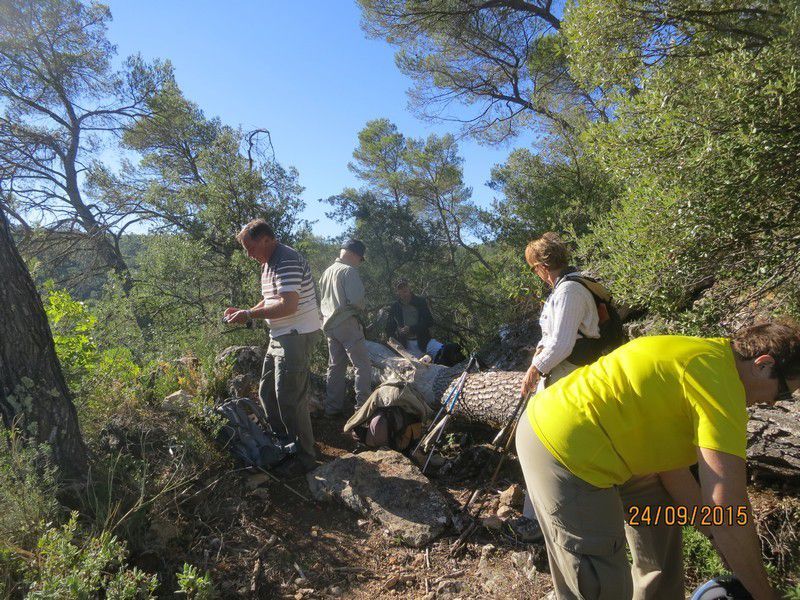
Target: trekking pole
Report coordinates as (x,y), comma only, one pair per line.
(440,427)
(511,428)
(434,423)
(446,407)
(283,483)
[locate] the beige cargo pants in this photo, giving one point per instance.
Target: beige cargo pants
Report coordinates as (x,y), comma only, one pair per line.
(585,528)
(585,531)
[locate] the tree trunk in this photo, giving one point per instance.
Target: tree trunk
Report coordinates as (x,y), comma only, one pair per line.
(489,397)
(773,444)
(34,397)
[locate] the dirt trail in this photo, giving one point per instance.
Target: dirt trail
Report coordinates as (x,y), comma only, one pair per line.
(267,543)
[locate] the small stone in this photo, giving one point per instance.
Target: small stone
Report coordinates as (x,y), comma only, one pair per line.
(391,582)
(177,402)
(521,560)
(492,523)
(362,522)
(512,496)
(487,550)
(504,512)
(300,581)
(314,532)
(256,480)
(526,530)
(335,590)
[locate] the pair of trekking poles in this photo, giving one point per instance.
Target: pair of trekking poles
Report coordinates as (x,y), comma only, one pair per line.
(435,430)
(501,442)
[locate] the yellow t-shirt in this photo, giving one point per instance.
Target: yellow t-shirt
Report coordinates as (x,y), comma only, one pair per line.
(644,408)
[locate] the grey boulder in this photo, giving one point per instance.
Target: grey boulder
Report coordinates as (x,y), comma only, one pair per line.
(387,487)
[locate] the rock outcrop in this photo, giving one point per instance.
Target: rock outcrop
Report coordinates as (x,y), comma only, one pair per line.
(387,487)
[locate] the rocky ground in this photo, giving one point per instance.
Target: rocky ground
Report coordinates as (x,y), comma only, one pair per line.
(370,525)
(266,542)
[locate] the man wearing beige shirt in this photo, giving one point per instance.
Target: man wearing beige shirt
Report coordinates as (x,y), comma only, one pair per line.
(342,302)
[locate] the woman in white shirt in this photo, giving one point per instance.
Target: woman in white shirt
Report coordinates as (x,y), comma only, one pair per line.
(569,313)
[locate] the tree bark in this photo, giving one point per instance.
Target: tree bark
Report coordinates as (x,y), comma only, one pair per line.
(489,397)
(773,442)
(34,397)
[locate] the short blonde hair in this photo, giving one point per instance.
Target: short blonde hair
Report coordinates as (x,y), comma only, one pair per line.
(549,251)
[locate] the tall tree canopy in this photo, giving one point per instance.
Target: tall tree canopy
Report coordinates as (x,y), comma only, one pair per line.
(59,97)
(196,184)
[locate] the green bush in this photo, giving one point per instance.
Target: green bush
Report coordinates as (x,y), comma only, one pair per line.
(27,492)
(194,585)
(701,561)
(67,566)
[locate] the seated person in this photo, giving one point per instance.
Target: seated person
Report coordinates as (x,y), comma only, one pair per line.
(410,321)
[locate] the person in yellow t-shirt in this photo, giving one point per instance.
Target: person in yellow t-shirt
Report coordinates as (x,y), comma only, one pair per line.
(606,453)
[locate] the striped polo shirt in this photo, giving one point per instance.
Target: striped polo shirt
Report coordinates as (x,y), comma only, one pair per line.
(288,271)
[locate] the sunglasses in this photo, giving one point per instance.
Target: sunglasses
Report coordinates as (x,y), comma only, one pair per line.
(784,393)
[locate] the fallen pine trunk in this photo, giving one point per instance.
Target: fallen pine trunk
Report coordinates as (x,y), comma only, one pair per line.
(489,397)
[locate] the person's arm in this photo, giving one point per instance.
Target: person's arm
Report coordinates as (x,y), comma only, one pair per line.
(569,308)
(286,305)
(227,316)
(723,482)
(682,487)
(685,491)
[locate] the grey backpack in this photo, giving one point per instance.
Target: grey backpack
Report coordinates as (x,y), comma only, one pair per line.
(247,436)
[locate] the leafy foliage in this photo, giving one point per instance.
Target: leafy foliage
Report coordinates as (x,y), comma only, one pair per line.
(27,492)
(194,585)
(417,220)
(67,567)
(706,153)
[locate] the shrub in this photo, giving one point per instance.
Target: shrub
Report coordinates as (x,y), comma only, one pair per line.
(700,559)
(27,492)
(69,567)
(194,585)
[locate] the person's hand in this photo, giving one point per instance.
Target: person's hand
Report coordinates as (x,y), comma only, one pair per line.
(238,316)
(229,311)
(529,382)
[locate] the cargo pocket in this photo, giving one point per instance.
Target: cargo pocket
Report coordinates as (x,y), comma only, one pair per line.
(589,532)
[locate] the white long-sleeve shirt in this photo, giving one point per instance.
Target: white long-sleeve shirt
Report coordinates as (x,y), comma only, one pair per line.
(569,309)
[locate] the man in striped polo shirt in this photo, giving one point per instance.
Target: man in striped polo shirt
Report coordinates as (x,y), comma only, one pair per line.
(291,310)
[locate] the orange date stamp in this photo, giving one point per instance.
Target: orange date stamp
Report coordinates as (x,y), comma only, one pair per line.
(701,516)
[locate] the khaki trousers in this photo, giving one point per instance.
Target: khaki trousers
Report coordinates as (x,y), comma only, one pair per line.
(585,531)
(346,344)
(283,390)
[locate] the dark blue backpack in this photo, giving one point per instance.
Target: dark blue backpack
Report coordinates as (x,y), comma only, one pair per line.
(248,437)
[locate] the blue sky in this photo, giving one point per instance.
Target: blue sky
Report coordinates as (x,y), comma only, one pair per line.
(305,71)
